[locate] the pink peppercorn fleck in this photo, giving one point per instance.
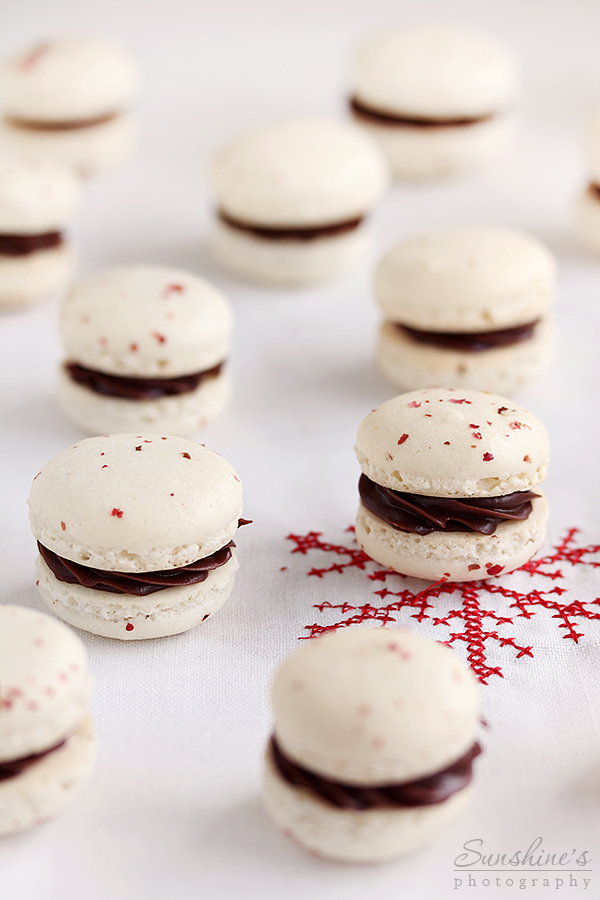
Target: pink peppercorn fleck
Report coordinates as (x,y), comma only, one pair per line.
(29,61)
(117,512)
(403,438)
(487,457)
(173,289)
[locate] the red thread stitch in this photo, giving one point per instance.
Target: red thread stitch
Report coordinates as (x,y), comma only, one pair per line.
(470,623)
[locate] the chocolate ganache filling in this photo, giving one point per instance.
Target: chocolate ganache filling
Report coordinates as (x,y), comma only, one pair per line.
(594,190)
(364,111)
(299,233)
(22,244)
(138,583)
(14,767)
(67,125)
(471,342)
(422,792)
(419,514)
(138,388)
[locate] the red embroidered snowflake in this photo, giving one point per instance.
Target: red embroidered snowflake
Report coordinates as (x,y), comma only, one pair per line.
(470,621)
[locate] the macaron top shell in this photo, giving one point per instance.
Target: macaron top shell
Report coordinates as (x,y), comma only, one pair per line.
(445,443)
(146,321)
(466,280)
(303,172)
(44,682)
(69,80)
(135,502)
(37,195)
(434,71)
(375,706)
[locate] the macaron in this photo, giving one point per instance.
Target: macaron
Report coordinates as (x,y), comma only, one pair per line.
(374,739)
(437,98)
(135,534)
(293,200)
(147,348)
(71,98)
(449,485)
(47,742)
(466,308)
(38,200)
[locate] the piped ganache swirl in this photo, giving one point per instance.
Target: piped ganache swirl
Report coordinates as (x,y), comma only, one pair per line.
(138,583)
(433,789)
(13,767)
(418,514)
(471,342)
(65,125)
(23,244)
(131,388)
(382,117)
(291,233)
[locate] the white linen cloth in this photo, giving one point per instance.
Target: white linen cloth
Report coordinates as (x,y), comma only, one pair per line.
(174,808)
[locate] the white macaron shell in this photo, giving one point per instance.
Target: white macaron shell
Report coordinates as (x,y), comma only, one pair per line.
(466,280)
(44,682)
(37,195)
(445,443)
(135,503)
(303,172)
(146,321)
(45,787)
(370,707)
(454,555)
(353,835)
(69,80)
(410,364)
(434,71)
(129,617)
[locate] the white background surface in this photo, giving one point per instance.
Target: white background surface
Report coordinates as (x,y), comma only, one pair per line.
(173,811)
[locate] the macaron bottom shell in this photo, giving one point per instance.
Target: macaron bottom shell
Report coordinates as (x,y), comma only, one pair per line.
(129,617)
(289,263)
(353,836)
(47,786)
(417,153)
(454,555)
(409,364)
(181,414)
(34,276)
(87,149)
